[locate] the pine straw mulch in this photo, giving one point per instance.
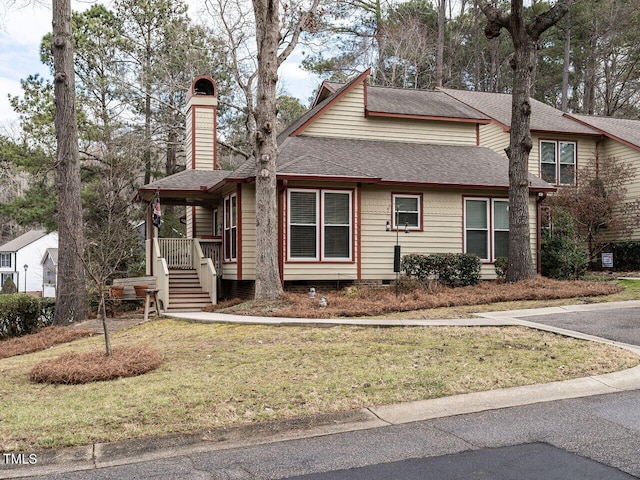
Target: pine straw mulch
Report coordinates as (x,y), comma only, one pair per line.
(77,368)
(368,301)
(43,339)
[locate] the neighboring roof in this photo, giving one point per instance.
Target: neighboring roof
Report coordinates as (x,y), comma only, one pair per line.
(53,253)
(23,240)
(420,103)
(624,130)
(391,162)
(188,183)
(544,118)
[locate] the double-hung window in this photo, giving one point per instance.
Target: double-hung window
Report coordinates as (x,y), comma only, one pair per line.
(486,228)
(558,162)
(500,228)
(230,228)
(5,260)
(407,211)
(320,225)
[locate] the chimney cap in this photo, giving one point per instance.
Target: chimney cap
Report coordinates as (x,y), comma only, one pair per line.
(202,85)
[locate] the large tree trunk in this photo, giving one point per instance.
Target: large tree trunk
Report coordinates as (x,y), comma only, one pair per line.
(268,283)
(71,299)
(525,36)
(520,144)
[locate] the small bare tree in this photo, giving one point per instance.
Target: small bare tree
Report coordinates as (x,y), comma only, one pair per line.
(598,204)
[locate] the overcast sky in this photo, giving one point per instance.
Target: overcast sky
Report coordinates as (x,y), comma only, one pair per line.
(22,29)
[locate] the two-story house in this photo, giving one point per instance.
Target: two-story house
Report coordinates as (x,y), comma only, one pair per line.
(365,168)
(21,260)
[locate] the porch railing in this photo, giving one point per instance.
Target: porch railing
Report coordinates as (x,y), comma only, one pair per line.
(161,272)
(191,253)
(213,249)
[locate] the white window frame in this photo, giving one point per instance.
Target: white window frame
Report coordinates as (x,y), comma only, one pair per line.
(349,225)
(230,226)
(557,164)
(6,275)
(316,257)
(320,225)
(494,229)
(214,222)
(490,204)
(395,213)
(487,203)
(5,260)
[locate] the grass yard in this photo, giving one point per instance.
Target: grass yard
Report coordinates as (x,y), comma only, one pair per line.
(224,375)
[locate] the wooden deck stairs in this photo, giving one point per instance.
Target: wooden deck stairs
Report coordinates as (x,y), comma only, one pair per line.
(185,292)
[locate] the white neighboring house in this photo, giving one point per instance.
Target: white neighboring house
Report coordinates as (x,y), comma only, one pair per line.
(22,260)
(50,272)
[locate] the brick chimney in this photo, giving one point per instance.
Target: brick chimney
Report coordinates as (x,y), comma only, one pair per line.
(202,106)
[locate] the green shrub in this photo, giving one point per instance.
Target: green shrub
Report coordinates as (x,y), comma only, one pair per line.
(449,269)
(21,314)
(563,255)
(626,255)
(8,287)
(501,265)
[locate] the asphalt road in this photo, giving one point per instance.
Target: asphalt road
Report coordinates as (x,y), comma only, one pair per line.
(621,325)
(589,438)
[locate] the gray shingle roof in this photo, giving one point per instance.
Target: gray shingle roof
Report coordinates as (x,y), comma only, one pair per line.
(624,129)
(22,241)
(420,103)
(385,161)
(189,180)
(498,106)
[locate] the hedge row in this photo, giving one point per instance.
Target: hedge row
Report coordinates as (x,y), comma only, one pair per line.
(626,255)
(450,269)
(21,314)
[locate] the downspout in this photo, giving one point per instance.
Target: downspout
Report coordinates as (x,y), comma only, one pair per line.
(539,199)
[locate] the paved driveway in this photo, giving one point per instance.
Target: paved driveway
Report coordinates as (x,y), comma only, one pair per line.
(619,325)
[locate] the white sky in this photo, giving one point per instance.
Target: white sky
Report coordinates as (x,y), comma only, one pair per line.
(22,29)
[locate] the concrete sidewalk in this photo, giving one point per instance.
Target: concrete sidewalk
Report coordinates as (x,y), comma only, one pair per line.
(108,454)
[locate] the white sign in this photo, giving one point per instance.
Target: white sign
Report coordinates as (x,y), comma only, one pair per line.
(607,260)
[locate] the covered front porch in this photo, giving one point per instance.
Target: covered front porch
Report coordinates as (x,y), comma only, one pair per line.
(187,270)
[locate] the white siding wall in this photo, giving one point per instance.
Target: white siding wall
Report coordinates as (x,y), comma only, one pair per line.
(32,255)
(346,119)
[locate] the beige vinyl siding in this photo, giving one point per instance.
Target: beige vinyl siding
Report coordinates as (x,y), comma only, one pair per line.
(494,137)
(204,137)
(612,148)
(188,143)
(443,229)
(248,228)
(346,119)
(204,225)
